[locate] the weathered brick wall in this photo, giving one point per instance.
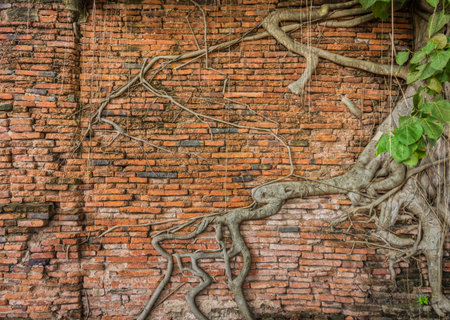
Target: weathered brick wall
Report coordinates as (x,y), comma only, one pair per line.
(50,83)
(38,92)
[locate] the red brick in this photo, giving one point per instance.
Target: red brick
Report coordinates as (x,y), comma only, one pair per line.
(6,96)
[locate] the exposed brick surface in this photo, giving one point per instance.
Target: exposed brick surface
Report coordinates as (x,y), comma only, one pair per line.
(53,199)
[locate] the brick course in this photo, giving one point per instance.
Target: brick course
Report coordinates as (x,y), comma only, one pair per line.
(53,198)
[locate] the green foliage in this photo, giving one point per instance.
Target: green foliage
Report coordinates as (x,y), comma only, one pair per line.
(430,64)
(380,8)
(424,126)
(439,110)
(437,22)
(422,300)
(440,40)
(366,4)
(402,57)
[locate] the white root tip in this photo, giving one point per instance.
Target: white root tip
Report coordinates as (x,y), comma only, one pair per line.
(354,110)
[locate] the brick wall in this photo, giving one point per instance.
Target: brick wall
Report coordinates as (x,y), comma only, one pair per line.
(38,92)
(54,199)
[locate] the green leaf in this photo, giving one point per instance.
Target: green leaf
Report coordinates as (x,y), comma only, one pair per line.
(412,160)
(409,133)
(436,22)
(446,74)
(422,300)
(440,40)
(418,56)
(419,145)
(430,46)
(443,76)
(431,141)
(421,153)
(381,9)
(435,85)
(433,3)
(439,109)
(424,71)
(439,59)
(384,144)
(418,99)
(413,76)
(402,57)
(427,71)
(366,4)
(431,129)
(407,120)
(399,151)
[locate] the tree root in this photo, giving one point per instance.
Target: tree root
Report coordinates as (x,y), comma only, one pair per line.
(370,174)
(272,25)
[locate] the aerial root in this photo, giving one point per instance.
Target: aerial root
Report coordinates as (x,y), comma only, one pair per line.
(358,183)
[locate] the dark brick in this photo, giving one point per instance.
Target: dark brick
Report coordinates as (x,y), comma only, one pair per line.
(189,143)
(100,162)
(70,217)
(22,14)
(300,143)
(37,262)
(224,130)
(132,65)
(41,92)
(63,180)
(288,229)
(5,107)
(71,98)
(242,179)
(12,36)
(158,175)
(50,74)
(39,215)
(261,166)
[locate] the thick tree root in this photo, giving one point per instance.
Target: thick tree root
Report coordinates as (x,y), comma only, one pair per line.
(272,25)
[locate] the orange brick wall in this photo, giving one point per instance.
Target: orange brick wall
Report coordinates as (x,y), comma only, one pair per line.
(41,201)
(50,82)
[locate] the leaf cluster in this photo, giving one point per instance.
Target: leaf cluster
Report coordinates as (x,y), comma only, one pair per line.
(408,143)
(422,300)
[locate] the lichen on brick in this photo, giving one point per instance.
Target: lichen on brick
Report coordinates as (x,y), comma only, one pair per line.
(21,14)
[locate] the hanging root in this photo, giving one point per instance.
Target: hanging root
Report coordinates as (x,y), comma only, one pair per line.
(370,175)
